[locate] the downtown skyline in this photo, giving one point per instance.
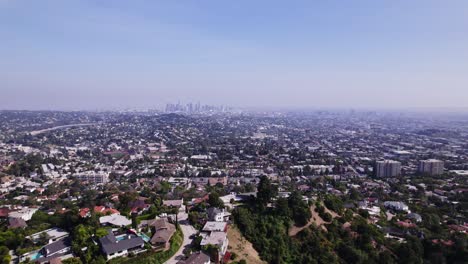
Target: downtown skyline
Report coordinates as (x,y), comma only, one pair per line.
(87,55)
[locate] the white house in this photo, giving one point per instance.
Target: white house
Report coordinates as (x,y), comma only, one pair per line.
(25,213)
(115,220)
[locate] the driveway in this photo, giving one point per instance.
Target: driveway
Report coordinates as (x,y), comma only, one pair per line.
(188,231)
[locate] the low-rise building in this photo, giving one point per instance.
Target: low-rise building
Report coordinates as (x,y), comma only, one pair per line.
(397,206)
(24,213)
(115,220)
(113,247)
(218,215)
(196,258)
(163,232)
(217,239)
(53,235)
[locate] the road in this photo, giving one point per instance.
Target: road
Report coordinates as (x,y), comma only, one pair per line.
(37,132)
(188,231)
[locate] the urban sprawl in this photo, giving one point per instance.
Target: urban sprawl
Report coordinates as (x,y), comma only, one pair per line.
(203,184)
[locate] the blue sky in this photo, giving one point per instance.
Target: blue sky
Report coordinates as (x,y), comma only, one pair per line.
(302,54)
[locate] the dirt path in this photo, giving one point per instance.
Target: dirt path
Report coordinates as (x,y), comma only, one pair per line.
(315,219)
(243,248)
(294,230)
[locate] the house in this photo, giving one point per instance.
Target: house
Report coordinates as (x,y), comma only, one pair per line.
(215,227)
(196,258)
(105,210)
(4,212)
(115,220)
(53,235)
(51,253)
(459,228)
(414,216)
(217,180)
(226,198)
(395,234)
(25,213)
(175,203)
(217,239)
(113,247)
(245,197)
(138,206)
(214,233)
(218,215)
(200,200)
(397,206)
(372,210)
(60,249)
(84,212)
(163,232)
(406,224)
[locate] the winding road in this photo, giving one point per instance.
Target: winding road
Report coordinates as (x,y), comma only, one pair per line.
(188,230)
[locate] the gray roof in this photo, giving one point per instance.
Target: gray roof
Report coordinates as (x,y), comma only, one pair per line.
(173,203)
(55,247)
(196,258)
(164,231)
(110,244)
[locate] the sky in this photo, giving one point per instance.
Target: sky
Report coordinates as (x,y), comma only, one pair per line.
(104,55)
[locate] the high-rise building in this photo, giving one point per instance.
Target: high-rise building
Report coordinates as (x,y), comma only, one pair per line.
(431,167)
(387,168)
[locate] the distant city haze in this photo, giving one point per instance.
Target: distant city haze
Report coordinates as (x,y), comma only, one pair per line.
(96,55)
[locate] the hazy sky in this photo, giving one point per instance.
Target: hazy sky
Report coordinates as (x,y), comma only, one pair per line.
(106,54)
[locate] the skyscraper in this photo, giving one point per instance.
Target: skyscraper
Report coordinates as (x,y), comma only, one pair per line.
(431,167)
(387,168)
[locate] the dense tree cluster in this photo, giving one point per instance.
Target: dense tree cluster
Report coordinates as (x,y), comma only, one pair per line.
(349,238)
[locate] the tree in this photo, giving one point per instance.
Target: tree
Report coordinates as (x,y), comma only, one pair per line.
(333,203)
(299,208)
(266,191)
(81,236)
(410,252)
(72,261)
(386,258)
(351,254)
(215,201)
(134,220)
(43,238)
(4,255)
(282,207)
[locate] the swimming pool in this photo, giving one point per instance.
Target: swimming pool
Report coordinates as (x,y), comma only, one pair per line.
(36,256)
(120,238)
(144,236)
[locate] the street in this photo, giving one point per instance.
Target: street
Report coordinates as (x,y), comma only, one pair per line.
(188,231)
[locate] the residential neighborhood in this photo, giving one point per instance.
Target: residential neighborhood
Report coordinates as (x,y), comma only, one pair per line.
(232,188)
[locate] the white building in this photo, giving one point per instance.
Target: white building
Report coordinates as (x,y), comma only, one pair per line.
(93,177)
(25,213)
(431,167)
(218,239)
(115,220)
(388,168)
(53,234)
(397,206)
